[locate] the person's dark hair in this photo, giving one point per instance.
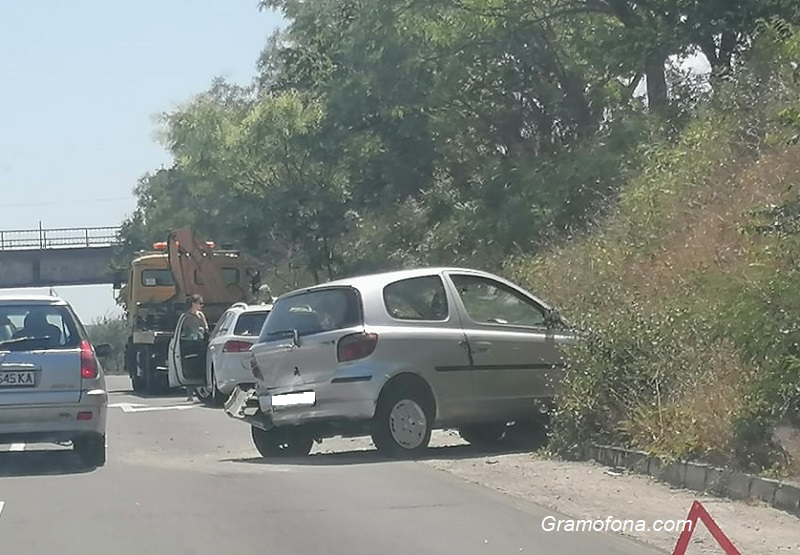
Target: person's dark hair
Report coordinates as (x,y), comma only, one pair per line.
(191,299)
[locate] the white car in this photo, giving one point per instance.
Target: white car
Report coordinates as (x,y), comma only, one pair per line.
(217,364)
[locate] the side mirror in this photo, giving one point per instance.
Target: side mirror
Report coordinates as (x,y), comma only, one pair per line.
(103,350)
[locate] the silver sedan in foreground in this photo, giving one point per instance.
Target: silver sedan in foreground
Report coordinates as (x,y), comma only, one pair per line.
(52,386)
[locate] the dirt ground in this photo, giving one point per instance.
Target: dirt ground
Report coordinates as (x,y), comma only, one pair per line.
(591,491)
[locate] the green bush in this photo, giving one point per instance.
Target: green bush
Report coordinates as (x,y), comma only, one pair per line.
(688,295)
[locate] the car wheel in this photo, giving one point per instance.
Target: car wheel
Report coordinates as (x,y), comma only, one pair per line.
(530,434)
(483,434)
(91,450)
(403,422)
(281,442)
(218,398)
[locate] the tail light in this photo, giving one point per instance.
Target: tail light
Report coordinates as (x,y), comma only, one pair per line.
(88,362)
(234,346)
(255,370)
(356,346)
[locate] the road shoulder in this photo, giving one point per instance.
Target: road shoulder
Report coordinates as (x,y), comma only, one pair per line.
(590,491)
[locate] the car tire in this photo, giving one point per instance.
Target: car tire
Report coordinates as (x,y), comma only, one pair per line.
(91,450)
(484,435)
(281,442)
(529,434)
(403,421)
(218,398)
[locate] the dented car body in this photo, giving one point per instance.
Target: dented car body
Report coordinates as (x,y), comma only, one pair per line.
(398,354)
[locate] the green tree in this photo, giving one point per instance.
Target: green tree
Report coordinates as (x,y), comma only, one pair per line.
(112,331)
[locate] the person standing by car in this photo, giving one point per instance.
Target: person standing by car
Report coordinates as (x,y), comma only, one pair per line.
(196,327)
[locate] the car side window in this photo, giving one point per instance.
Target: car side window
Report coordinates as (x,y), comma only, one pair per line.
(419,298)
(223,326)
(490,302)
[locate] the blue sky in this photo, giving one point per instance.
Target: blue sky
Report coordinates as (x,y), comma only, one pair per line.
(81,83)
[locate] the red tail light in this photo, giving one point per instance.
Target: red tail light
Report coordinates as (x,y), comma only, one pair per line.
(234,346)
(356,346)
(88,362)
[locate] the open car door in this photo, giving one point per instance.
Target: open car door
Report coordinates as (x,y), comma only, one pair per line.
(187,357)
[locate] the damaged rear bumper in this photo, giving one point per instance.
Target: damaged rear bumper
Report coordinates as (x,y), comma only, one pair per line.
(243,405)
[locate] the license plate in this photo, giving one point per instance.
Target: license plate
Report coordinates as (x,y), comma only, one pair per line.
(304,399)
(17,379)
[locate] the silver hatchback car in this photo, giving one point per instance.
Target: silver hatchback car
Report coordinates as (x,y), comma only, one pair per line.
(397,354)
(52,386)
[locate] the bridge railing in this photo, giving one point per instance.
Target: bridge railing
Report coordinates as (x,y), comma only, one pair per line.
(27,239)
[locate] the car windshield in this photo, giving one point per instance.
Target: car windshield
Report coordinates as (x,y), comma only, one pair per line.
(33,327)
(313,312)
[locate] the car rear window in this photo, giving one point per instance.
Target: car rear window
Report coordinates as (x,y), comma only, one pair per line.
(33,327)
(313,312)
(250,323)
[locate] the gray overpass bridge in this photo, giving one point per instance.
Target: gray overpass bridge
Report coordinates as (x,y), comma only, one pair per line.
(56,257)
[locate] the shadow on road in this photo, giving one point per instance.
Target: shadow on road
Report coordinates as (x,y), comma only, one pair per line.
(344,458)
(44,462)
(174,394)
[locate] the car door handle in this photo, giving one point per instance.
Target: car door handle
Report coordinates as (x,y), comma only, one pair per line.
(483,346)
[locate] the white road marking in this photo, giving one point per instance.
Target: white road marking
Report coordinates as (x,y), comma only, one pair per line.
(17,447)
(2,504)
(136,407)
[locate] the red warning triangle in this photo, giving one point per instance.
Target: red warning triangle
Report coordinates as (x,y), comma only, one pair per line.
(698,512)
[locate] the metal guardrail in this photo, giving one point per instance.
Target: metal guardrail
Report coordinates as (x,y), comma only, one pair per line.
(27,239)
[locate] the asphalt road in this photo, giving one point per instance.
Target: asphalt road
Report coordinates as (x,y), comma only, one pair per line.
(189,481)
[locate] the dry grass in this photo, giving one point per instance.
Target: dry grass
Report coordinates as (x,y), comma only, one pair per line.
(702,234)
(697,419)
(687,242)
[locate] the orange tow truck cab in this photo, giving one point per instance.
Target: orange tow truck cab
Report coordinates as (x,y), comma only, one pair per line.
(154,290)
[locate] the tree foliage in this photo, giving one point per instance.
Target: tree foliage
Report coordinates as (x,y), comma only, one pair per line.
(381,134)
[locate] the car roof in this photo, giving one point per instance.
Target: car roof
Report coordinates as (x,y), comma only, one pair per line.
(29,298)
(380,279)
(242,308)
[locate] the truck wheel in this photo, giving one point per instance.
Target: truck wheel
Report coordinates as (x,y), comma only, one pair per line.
(131,367)
(150,380)
(403,421)
(281,442)
(91,450)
